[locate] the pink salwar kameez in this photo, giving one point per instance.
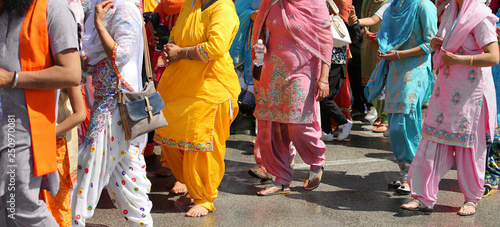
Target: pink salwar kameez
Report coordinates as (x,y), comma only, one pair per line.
(300,41)
(462,108)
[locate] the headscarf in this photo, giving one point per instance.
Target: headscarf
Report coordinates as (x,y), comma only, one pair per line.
(400,14)
(471,14)
(311,25)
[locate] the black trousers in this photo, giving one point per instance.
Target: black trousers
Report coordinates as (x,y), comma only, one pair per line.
(328,107)
(356,82)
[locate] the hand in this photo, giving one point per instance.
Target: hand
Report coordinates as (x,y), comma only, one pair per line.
(390,55)
(6,78)
(371,36)
(448,58)
(100,11)
(164,56)
(321,90)
(85,62)
(353,19)
(436,43)
(173,52)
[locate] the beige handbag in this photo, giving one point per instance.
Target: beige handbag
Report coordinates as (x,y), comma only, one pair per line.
(141,112)
(339,29)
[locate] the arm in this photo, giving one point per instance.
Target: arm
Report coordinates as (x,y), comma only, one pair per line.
(66,72)
(107,41)
(369,21)
(79,114)
(322,89)
(487,59)
(219,37)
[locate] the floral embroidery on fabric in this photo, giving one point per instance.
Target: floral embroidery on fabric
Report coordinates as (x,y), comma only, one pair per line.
(396,95)
(411,99)
(208,146)
(464,124)
(437,93)
(115,68)
(283,91)
(472,75)
(445,137)
(395,75)
(407,78)
(480,102)
(104,82)
(446,72)
(202,53)
(455,99)
(440,118)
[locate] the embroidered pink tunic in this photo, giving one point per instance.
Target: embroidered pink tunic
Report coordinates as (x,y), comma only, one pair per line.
(286,89)
(460,94)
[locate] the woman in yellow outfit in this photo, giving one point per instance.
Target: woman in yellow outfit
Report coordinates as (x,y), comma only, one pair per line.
(200,89)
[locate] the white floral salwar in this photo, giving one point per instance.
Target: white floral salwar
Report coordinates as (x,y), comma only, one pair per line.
(113,161)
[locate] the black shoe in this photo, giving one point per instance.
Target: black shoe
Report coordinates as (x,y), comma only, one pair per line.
(403,190)
(394,184)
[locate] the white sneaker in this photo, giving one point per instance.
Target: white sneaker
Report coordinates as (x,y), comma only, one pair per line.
(371,115)
(346,129)
(327,137)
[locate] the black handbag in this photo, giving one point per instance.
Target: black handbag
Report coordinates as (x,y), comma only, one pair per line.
(141,112)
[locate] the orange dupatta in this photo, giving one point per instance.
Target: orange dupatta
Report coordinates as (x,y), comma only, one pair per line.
(35,56)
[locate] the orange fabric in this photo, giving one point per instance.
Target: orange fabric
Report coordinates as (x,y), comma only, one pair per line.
(35,56)
(169,7)
(60,205)
(343,8)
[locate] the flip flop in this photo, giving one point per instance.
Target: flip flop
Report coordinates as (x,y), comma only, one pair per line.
(488,190)
(468,205)
(394,184)
(403,190)
(311,177)
(254,173)
(420,207)
(380,128)
(274,184)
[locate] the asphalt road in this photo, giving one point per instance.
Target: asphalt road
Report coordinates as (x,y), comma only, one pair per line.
(353,192)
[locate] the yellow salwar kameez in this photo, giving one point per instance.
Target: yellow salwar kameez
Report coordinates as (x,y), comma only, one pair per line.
(200,98)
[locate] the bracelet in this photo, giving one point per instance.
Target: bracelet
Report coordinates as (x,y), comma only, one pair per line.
(323,82)
(16,76)
(397,54)
(471,60)
(187,54)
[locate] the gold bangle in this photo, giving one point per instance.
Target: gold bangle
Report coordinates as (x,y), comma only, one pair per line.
(471,60)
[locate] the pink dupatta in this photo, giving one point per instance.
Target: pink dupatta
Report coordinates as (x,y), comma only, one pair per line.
(471,14)
(313,32)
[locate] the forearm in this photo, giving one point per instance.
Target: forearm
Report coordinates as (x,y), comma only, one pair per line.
(58,76)
(108,43)
(192,53)
(325,71)
(478,60)
(369,21)
(415,51)
(79,112)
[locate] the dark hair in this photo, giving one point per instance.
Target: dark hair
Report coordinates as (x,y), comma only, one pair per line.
(18,6)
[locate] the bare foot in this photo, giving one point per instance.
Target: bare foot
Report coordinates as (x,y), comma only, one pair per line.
(179,188)
(197,211)
(184,201)
(273,191)
(163,172)
(469,208)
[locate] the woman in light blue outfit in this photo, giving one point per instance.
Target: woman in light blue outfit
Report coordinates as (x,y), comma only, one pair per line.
(240,50)
(406,55)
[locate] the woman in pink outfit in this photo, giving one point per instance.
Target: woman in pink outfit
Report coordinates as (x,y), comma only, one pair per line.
(462,106)
(294,78)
